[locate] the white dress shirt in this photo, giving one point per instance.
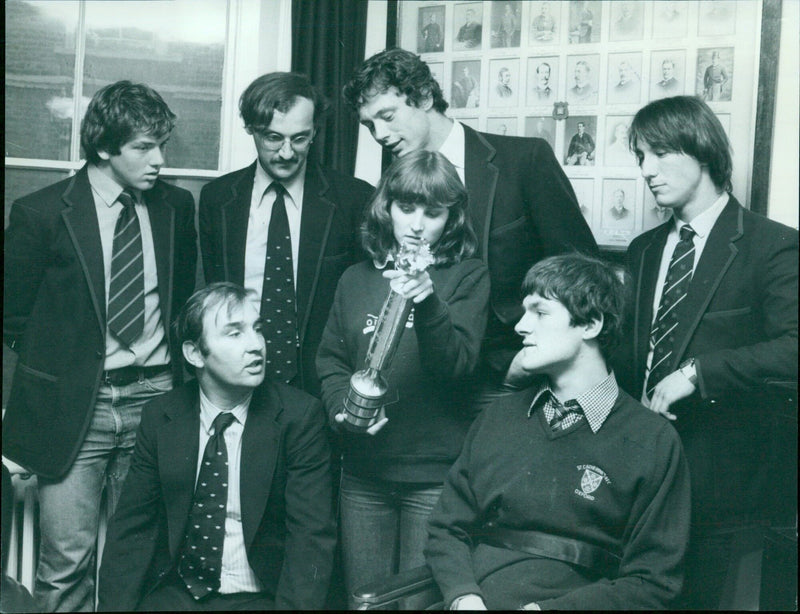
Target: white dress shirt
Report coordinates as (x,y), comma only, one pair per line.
(150,349)
(453,149)
(236,575)
(255,253)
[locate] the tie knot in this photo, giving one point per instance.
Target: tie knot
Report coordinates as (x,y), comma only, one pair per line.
(278,187)
(222,421)
(126,198)
(687,232)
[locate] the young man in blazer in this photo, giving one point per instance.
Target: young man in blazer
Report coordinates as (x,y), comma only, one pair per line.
(713,322)
(95,268)
(282,112)
(227,505)
(522,205)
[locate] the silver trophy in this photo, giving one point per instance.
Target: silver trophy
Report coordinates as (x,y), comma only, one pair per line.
(367,386)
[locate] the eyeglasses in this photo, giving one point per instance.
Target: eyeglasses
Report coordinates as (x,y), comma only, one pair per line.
(275,141)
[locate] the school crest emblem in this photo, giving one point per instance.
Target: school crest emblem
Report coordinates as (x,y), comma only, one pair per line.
(590,481)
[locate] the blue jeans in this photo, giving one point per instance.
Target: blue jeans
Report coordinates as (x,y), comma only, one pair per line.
(69,508)
(384,528)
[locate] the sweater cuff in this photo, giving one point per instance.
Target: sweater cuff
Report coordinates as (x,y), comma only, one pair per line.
(430,310)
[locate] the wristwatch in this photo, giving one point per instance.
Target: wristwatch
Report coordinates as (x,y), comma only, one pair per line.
(689,370)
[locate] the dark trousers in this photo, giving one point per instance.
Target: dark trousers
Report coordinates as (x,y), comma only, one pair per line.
(173,596)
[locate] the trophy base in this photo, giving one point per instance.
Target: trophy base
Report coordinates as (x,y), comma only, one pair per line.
(363,402)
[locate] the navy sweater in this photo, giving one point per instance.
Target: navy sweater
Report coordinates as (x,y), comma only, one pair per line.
(428,417)
(515,473)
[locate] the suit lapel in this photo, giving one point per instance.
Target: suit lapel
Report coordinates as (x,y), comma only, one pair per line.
(315,225)
(235,214)
(178,446)
(718,254)
(80,219)
(480,174)
(260,445)
(162,225)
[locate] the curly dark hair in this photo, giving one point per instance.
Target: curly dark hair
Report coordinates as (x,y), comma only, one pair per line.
(425,178)
(396,68)
(589,288)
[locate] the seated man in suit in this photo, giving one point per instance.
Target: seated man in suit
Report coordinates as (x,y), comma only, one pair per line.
(285,226)
(228,501)
(568,494)
(713,325)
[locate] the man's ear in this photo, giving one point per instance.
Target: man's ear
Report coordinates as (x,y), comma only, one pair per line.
(593,328)
(192,354)
(426,103)
(103,155)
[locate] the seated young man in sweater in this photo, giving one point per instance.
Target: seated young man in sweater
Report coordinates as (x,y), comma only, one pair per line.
(568,494)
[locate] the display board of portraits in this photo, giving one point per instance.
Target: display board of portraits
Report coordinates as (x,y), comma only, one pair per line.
(502,64)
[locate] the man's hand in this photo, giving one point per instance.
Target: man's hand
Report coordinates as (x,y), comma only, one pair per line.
(517,376)
(14,468)
(672,388)
(468,602)
(373,430)
(415,287)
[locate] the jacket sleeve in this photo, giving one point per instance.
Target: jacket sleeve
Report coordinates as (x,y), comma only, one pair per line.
(448,551)
(210,226)
(185,253)
(310,523)
(552,205)
(651,572)
(450,329)
(132,532)
(748,367)
(26,259)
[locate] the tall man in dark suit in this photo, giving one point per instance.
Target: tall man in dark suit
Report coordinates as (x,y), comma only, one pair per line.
(713,323)
(522,205)
(96,266)
(227,505)
(239,226)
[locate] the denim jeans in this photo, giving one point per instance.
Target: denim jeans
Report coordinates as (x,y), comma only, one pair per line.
(384,529)
(69,508)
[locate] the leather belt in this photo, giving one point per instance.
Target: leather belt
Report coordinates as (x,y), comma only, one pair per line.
(127,375)
(555,547)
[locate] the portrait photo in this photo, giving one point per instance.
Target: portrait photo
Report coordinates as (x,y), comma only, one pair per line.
(667,73)
(654,214)
(465,81)
(504,87)
(437,71)
(716,18)
(503,126)
(715,74)
(542,80)
(545,22)
(619,204)
(670,19)
(582,74)
(580,132)
(585,17)
(541,127)
(627,21)
(506,23)
(467,26)
(624,78)
(584,193)
(617,152)
(430,29)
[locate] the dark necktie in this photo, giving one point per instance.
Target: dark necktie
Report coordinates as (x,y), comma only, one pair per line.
(278,307)
(126,290)
(561,412)
(201,560)
(662,335)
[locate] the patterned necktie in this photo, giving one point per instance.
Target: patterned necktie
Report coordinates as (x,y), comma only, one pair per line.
(662,336)
(126,290)
(278,307)
(565,415)
(201,560)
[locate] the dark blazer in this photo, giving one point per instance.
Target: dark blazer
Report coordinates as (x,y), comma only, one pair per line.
(739,321)
(333,206)
(285,488)
(523,209)
(54,311)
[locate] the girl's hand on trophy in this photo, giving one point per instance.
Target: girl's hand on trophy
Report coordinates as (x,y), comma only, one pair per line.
(411,287)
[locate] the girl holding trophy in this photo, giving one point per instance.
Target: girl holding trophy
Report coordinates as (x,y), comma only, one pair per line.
(403,336)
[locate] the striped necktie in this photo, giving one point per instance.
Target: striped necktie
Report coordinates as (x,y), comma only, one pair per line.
(676,285)
(126,290)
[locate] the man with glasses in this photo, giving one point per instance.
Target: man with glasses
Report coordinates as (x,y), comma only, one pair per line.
(282,227)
